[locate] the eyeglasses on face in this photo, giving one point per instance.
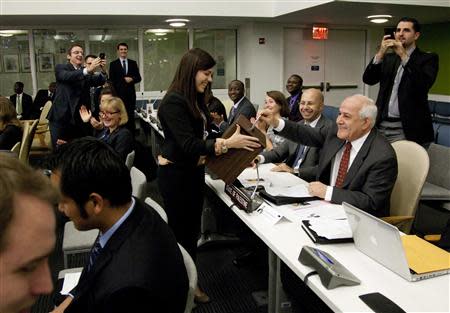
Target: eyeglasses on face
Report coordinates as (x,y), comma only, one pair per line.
(107,114)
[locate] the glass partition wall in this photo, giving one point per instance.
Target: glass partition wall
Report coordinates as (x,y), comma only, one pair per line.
(159,53)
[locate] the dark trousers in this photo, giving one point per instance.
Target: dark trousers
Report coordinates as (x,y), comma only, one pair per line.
(183,190)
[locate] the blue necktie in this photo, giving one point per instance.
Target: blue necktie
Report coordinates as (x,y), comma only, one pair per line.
(124,65)
(95,252)
(299,154)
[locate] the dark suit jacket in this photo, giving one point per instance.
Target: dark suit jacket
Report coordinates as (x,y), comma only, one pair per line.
(10,135)
(245,108)
(288,151)
(418,77)
(72,92)
(125,91)
(183,133)
(140,269)
(27,105)
(39,101)
(294,114)
(120,140)
(371,177)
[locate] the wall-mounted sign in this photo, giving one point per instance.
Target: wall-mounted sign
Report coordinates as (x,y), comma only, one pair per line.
(319,33)
(262,41)
(315,67)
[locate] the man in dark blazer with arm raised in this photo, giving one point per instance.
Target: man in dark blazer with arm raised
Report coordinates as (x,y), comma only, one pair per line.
(298,158)
(124,74)
(74,82)
(405,76)
(357,164)
(241,105)
(135,264)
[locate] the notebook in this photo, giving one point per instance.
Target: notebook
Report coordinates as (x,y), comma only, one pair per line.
(408,256)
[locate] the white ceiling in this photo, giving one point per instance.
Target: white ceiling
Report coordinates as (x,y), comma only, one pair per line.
(345,13)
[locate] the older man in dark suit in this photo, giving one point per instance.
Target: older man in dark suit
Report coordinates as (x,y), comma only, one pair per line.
(241,104)
(74,82)
(124,74)
(357,164)
(135,262)
(405,77)
(299,158)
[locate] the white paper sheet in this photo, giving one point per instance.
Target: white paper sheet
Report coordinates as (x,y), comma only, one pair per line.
(292,191)
(70,281)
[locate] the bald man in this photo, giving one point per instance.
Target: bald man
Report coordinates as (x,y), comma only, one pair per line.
(300,159)
(357,164)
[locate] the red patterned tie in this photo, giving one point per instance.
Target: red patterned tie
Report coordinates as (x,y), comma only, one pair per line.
(344,165)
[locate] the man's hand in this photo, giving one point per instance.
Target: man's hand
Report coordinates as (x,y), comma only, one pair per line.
(386,43)
(283,167)
(317,189)
(400,50)
(96,63)
(269,118)
(128,79)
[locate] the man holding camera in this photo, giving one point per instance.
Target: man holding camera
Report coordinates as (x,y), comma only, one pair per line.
(74,81)
(405,76)
(124,74)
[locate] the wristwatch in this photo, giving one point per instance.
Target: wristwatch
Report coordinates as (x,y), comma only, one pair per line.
(224,148)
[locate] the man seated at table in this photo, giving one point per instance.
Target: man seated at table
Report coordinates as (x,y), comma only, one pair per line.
(135,262)
(357,164)
(298,158)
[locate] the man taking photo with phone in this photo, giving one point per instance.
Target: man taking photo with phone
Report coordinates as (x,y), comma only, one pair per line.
(405,76)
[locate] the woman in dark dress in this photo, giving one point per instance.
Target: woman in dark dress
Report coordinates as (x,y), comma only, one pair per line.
(10,127)
(181,172)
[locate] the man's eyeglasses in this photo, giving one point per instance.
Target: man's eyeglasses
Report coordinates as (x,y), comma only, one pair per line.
(107,114)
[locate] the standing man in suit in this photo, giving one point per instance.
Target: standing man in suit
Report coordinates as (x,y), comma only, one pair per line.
(27,235)
(241,104)
(357,164)
(405,76)
(294,87)
(42,96)
(124,74)
(301,159)
(74,82)
(22,101)
(135,262)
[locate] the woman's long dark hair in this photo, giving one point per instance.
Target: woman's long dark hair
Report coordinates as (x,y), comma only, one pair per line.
(184,80)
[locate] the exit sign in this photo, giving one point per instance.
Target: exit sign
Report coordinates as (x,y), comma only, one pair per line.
(320,33)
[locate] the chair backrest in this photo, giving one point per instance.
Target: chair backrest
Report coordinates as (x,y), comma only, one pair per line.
(157,208)
(44,112)
(192,276)
(130,159)
(29,129)
(138,182)
(439,173)
(16,148)
(413,165)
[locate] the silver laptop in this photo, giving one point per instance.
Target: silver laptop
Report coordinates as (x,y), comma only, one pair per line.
(381,241)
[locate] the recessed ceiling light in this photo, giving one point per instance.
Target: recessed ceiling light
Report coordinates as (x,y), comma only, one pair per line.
(158,30)
(379,19)
(177,20)
(177,24)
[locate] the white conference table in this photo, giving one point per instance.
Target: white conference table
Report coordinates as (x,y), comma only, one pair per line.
(286,239)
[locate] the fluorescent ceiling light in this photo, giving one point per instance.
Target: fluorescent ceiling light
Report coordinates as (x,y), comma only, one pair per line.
(379,19)
(13,32)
